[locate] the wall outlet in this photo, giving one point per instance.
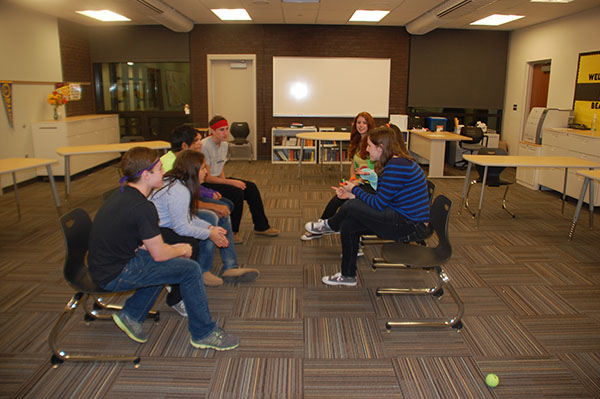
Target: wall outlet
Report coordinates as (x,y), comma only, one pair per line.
(264,140)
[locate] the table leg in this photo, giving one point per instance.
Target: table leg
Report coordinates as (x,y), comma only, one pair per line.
(564,193)
(14,177)
(321,160)
(591,204)
(586,182)
(301,157)
(53,186)
(465,186)
(68,174)
(483,181)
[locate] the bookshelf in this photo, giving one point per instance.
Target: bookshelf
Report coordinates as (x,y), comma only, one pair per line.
(329,150)
(285,147)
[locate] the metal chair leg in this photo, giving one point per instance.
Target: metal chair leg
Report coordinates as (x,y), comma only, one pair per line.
(504,203)
(473,213)
(59,356)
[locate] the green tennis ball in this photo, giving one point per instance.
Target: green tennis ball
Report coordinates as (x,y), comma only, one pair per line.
(492,380)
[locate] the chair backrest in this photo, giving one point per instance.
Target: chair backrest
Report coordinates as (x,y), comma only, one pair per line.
(430,191)
(239,131)
(439,216)
(76,226)
(494,172)
(475,133)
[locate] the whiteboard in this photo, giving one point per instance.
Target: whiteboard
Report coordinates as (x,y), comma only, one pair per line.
(333,87)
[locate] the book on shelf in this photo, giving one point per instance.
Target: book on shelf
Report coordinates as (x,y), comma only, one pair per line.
(282,155)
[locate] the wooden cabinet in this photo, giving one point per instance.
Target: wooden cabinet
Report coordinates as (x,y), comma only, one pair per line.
(76,130)
(285,146)
(570,143)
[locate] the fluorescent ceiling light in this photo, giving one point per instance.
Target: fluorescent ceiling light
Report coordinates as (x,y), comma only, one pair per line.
(232,14)
(550,1)
(368,15)
(496,19)
(103,15)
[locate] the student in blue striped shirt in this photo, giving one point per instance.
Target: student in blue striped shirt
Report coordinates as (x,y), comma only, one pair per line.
(399,210)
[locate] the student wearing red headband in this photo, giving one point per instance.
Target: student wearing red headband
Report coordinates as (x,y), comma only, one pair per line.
(215,149)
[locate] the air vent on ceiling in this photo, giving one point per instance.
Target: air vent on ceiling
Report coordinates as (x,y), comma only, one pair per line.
(167,16)
(452,8)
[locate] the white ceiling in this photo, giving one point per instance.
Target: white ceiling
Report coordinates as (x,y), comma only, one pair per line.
(326,12)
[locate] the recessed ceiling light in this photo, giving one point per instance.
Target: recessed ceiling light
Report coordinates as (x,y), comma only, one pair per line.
(368,15)
(232,14)
(550,1)
(496,19)
(103,15)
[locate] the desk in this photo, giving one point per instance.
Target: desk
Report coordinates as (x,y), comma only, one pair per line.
(68,151)
(432,146)
(524,161)
(13,165)
(590,176)
(320,137)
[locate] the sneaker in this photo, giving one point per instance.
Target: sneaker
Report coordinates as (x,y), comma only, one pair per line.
(210,280)
(240,275)
(319,227)
(271,232)
(359,253)
(179,307)
(338,279)
(310,236)
(132,328)
(218,340)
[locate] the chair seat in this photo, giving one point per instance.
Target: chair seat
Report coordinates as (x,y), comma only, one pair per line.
(495,181)
(413,255)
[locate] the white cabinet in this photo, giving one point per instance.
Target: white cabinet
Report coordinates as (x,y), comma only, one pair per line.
(569,143)
(529,177)
(285,146)
(77,130)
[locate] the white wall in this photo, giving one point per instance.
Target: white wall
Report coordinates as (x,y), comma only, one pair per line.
(30,51)
(560,41)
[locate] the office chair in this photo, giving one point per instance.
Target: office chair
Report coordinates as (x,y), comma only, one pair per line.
(76,226)
(240,148)
(476,135)
(493,178)
(410,256)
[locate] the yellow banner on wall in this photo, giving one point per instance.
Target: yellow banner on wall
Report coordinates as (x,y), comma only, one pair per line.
(7,97)
(586,101)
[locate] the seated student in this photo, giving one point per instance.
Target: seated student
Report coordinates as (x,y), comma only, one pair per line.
(214,148)
(127,252)
(399,209)
(361,167)
(179,221)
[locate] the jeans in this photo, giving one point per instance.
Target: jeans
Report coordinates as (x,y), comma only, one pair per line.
(252,196)
(356,218)
(148,277)
(335,203)
(228,255)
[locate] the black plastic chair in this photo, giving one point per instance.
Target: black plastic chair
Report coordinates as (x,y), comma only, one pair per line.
(76,226)
(493,178)
(240,146)
(410,256)
(373,239)
(476,135)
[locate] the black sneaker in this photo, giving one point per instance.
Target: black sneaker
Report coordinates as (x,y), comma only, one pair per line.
(319,227)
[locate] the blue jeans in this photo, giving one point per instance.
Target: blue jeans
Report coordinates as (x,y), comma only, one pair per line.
(228,255)
(148,277)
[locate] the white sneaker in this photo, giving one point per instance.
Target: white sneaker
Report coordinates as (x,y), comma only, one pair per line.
(310,236)
(179,307)
(338,279)
(319,227)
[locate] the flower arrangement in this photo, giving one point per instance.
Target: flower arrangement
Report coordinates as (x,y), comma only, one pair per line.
(56,99)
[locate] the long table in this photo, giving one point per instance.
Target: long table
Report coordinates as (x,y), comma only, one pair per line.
(520,161)
(432,146)
(68,151)
(13,165)
(320,137)
(589,177)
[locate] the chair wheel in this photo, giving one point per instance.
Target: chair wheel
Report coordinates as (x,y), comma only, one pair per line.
(88,318)
(438,294)
(157,317)
(136,363)
(388,328)
(55,360)
(458,326)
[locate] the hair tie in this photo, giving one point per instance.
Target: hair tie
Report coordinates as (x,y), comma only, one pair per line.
(123,179)
(221,123)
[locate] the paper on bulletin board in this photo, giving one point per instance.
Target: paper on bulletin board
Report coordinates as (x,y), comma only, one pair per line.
(586,101)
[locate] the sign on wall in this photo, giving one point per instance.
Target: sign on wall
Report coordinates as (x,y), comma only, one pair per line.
(586,101)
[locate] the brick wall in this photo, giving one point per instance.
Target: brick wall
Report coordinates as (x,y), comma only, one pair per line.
(76,65)
(267,41)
